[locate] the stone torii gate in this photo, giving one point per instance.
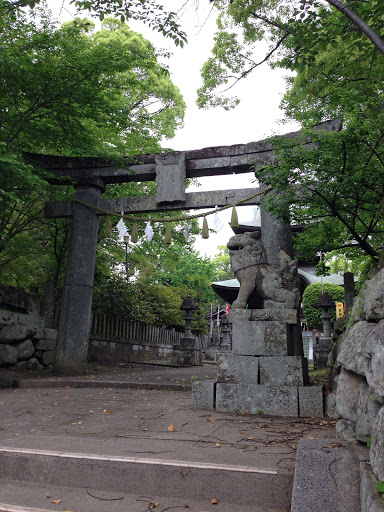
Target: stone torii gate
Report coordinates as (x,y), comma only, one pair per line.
(90,177)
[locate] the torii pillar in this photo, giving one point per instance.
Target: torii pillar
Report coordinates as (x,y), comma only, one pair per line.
(75,315)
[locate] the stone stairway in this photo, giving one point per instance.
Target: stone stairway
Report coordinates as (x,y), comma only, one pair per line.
(132,448)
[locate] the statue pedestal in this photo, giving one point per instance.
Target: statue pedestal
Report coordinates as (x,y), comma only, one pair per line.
(262,375)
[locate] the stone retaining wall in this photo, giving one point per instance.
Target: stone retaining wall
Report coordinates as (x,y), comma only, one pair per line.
(24,342)
(359,383)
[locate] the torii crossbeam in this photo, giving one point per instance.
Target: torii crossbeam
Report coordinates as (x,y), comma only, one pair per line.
(91,175)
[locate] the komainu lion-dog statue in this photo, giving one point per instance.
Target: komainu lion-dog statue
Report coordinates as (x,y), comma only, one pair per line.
(277,287)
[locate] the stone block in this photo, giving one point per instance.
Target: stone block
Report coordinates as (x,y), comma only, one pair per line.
(373,297)
(377,446)
(25,349)
(369,497)
(353,347)
(347,396)
(345,431)
(311,401)
(330,405)
(8,354)
(374,359)
(243,315)
(45,333)
(45,345)
(283,370)
(259,338)
(203,394)
(237,369)
(257,399)
(14,333)
(170,177)
(47,357)
(367,409)
(34,365)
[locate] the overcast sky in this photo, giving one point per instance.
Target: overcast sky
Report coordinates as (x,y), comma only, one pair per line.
(258,116)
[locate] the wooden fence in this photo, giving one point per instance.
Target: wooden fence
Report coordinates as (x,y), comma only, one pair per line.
(109,326)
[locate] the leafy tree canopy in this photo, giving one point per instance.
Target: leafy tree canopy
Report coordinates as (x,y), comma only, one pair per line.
(148,11)
(334,186)
(75,91)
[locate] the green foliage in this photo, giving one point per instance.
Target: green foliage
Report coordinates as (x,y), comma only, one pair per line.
(148,11)
(311,296)
(70,90)
(222,264)
(334,186)
(380,490)
(322,269)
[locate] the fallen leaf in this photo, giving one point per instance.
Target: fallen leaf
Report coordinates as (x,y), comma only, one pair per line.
(218,445)
(186,505)
(250,438)
(171,428)
(16,434)
(154,504)
(56,501)
(309,437)
(48,496)
(209,419)
(214,501)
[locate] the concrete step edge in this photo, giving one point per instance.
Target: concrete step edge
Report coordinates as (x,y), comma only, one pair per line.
(4,507)
(93,458)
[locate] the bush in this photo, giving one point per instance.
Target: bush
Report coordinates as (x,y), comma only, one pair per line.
(311,296)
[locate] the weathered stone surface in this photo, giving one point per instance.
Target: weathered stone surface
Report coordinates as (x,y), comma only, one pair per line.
(237,369)
(7,317)
(170,178)
(203,394)
(353,347)
(287,315)
(257,399)
(357,313)
(369,496)
(8,354)
(250,266)
(259,338)
(45,345)
(374,298)
(367,409)
(377,446)
(374,359)
(46,334)
(330,405)
(283,371)
(311,401)
(348,389)
(47,357)
(34,365)
(25,349)
(345,431)
(14,333)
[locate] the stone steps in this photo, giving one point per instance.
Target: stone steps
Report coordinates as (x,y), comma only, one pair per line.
(72,475)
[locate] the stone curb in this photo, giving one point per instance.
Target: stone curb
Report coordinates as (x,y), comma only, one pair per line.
(63,383)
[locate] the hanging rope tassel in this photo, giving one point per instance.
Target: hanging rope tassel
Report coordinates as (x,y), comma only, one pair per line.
(108,227)
(168,233)
(134,233)
(234,219)
(205,231)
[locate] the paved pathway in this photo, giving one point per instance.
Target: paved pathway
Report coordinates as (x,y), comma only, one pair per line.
(145,446)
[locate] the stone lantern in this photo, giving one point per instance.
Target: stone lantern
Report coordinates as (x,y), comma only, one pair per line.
(188,306)
(322,349)
(187,352)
